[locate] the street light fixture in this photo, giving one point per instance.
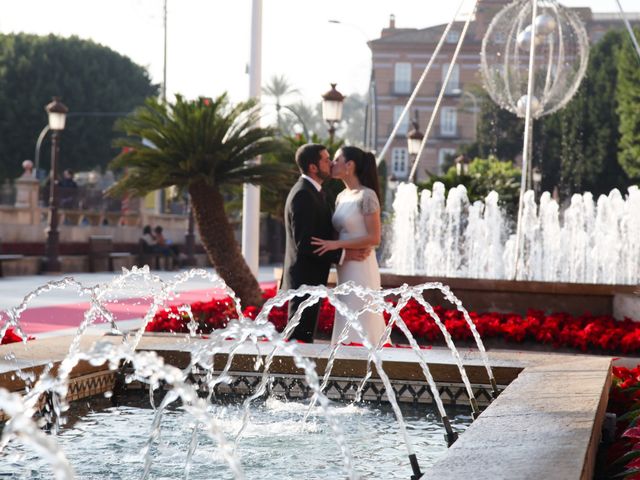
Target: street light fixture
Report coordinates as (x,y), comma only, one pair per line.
(414,137)
(536,176)
(332,102)
(462,165)
(474,101)
(57,112)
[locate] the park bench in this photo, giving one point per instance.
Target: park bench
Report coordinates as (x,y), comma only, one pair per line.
(8,258)
(101,253)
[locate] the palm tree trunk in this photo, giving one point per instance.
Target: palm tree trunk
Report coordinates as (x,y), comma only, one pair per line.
(218,239)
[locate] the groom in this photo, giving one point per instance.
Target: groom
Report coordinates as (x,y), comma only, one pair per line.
(308,214)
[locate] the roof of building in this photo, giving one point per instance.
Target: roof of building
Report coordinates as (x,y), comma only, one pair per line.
(433,34)
(414,35)
(615,16)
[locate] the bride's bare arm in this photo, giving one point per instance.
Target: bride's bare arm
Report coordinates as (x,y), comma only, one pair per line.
(370,240)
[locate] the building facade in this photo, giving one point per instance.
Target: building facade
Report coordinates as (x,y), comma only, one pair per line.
(399,58)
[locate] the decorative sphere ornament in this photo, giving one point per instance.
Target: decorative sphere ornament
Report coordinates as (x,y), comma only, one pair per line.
(545,24)
(561,56)
(521,106)
(524,39)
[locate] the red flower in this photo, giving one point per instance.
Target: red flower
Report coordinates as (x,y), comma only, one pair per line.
(10,336)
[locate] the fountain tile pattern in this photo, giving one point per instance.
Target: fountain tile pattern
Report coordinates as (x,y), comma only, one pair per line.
(344,389)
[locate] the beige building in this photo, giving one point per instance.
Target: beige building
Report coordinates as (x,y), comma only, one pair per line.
(400,56)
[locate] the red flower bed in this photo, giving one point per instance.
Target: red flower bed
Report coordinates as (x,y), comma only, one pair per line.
(588,333)
(10,336)
(623,455)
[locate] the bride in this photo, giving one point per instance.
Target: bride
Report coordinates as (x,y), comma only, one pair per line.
(357,220)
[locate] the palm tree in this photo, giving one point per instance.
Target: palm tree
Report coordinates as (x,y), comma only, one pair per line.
(278,88)
(199,146)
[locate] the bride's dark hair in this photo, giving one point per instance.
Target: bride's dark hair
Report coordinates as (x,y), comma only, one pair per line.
(366,168)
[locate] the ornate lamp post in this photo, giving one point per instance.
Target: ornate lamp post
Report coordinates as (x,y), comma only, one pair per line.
(57,112)
(536,176)
(332,109)
(462,165)
(414,139)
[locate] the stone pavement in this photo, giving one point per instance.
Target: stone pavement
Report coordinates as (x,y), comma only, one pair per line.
(60,311)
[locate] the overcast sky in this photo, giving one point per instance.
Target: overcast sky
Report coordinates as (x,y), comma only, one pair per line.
(209,40)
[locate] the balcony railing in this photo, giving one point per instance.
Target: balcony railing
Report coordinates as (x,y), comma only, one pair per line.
(401,88)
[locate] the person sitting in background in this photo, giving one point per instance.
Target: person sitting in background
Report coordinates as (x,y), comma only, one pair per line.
(165,244)
(68,190)
(148,240)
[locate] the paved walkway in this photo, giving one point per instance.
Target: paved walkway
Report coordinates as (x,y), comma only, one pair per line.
(60,311)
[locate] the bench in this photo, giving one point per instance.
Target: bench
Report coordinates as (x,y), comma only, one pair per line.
(7,258)
(101,252)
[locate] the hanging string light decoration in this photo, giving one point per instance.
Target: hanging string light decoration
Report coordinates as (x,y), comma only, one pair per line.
(561,55)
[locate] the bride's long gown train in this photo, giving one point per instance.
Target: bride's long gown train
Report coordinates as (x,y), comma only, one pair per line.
(348,220)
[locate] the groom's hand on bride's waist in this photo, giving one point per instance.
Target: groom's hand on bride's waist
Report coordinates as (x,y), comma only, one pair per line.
(356,254)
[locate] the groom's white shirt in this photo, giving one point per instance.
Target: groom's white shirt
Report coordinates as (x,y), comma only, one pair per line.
(319,188)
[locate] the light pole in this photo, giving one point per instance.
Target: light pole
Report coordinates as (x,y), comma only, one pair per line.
(57,112)
(474,101)
(369,134)
(536,176)
(462,165)
(332,102)
(414,139)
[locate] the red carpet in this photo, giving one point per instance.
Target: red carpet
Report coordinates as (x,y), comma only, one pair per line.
(57,317)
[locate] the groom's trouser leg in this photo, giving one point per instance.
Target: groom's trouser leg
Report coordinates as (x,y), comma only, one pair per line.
(307,326)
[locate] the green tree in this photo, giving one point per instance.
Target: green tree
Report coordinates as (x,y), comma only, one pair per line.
(580,142)
(88,77)
(499,132)
(628,96)
(484,175)
(200,146)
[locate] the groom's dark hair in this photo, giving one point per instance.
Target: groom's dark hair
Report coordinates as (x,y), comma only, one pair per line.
(308,154)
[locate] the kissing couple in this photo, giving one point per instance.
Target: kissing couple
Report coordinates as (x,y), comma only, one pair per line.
(321,233)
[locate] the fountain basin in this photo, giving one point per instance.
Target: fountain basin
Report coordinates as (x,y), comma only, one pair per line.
(505,296)
(546,423)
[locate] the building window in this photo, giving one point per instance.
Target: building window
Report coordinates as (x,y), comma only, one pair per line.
(448,121)
(400,163)
(402,79)
(404,126)
(453,36)
(445,157)
(454,80)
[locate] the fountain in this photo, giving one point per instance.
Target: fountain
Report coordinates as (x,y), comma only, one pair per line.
(590,242)
(201,379)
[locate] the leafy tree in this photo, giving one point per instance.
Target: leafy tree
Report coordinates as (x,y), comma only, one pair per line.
(200,146)
(499,132)
(89,78)
(628,96)
(580,142)
(484,175)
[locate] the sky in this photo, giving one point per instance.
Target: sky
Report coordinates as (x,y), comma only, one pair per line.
(209,40)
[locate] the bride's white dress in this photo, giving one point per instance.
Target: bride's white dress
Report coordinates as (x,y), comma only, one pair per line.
(348,220)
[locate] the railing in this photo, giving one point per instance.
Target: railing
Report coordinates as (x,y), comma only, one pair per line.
(401,88)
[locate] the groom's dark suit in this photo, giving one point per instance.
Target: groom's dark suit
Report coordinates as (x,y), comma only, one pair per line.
(307,214)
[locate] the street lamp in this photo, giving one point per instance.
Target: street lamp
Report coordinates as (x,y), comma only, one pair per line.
(462,165)
(57,112)
(474,101)
(332,102)
(536,176)
(370,112)
(414,139)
